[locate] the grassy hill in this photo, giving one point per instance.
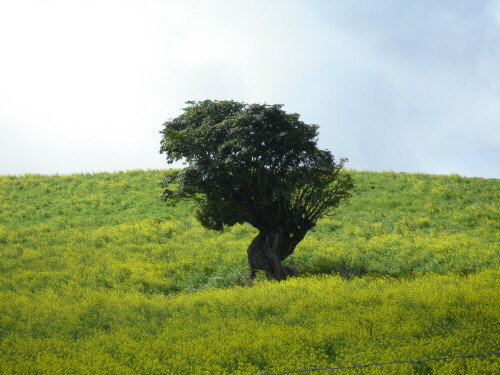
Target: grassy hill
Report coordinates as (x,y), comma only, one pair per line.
(98,276)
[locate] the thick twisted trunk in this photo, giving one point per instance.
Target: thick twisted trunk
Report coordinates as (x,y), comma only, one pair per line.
(268,249)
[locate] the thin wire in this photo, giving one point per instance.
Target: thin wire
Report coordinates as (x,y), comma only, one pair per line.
(386,363)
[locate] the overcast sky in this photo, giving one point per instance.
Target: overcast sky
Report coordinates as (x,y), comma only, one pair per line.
(413,86)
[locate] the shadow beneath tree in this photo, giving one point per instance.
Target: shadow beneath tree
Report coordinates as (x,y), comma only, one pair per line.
(325,266)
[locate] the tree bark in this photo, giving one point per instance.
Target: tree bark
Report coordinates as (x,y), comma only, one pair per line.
(268,249)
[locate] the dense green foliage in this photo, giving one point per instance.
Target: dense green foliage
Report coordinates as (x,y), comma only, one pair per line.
(97,276)
(252,164)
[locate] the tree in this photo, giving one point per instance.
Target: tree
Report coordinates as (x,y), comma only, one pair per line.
(256,164)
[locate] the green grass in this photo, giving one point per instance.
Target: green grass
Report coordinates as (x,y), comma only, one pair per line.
(98,276)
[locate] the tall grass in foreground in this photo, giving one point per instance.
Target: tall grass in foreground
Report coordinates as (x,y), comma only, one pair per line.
(300,323)
(97,276)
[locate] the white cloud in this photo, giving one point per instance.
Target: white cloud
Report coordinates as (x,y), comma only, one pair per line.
(86,85)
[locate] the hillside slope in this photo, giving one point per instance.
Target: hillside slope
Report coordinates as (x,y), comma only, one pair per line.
(97,275)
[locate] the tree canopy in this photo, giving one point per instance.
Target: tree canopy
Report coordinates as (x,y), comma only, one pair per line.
(257,164)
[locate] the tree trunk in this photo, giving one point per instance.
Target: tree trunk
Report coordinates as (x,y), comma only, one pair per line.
(268,249)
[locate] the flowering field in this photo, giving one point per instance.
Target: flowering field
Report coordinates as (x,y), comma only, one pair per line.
(98,276)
